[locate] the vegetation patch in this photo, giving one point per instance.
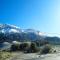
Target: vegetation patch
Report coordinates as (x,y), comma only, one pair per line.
(46,49)
(5,55)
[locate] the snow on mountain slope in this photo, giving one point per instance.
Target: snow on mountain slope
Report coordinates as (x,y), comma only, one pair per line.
(10,32)
(7,28)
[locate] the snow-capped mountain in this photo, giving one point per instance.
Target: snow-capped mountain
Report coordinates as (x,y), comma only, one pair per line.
(11,32)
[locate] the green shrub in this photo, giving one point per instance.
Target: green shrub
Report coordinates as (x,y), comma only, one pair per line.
(15,47)
(34,48)
(24,46)
(46,49)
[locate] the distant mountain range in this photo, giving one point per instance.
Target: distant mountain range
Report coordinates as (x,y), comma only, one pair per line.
(9,33)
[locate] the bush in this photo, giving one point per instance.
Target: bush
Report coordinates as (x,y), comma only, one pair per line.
(46,49)
(34,48)
(15,47)
(20,47)
(24,46)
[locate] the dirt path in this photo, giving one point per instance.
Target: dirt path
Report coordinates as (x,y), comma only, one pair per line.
(48,57)
(17,56)
(22,56)
(34,56)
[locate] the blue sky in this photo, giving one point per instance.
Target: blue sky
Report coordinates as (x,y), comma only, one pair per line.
(43,15)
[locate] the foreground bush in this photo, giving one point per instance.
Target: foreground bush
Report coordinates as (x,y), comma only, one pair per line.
(24,46)
(46,49)
(34,48)
(19,47)
(15,47)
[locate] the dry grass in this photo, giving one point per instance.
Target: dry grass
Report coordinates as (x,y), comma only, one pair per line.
(5,55)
